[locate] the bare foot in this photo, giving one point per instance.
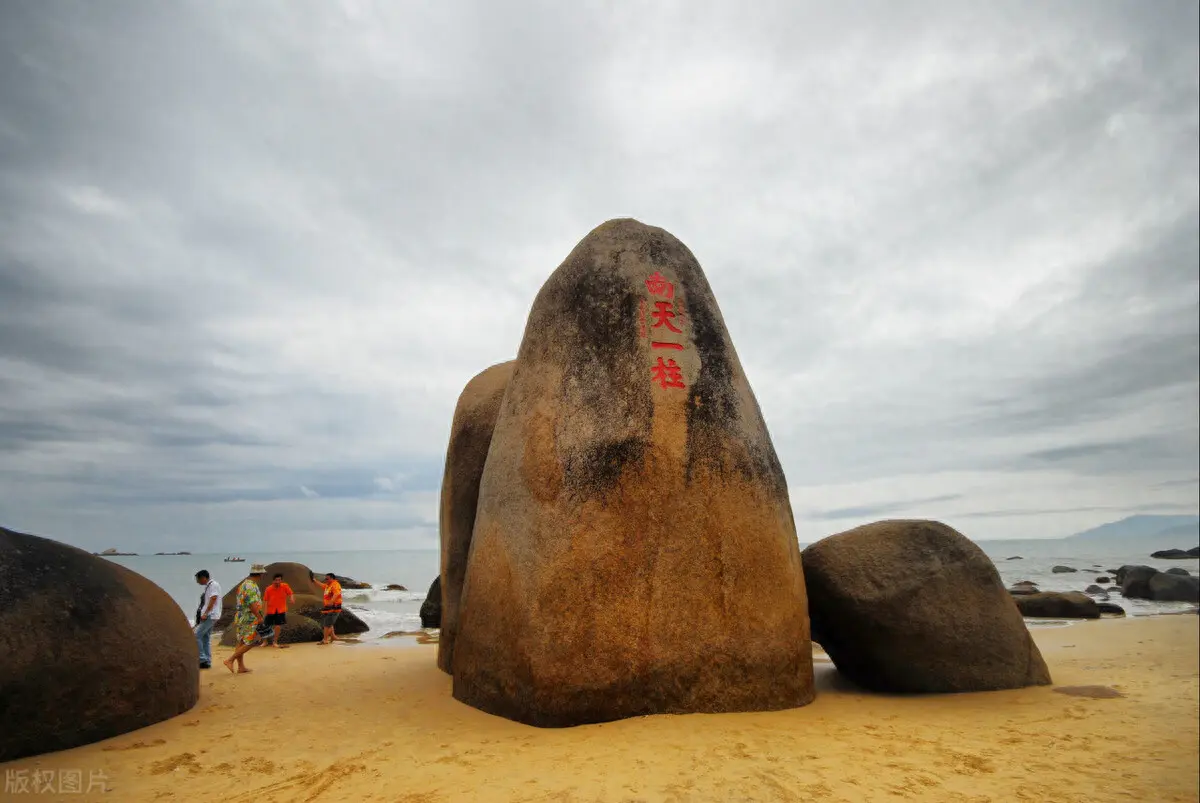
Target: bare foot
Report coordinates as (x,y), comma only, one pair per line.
(229,665)
(244,671)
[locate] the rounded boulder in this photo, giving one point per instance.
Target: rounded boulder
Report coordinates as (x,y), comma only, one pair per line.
(914,606)
(90,649)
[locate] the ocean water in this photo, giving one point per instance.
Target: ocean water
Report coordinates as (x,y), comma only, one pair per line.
(383,611)
(386,611)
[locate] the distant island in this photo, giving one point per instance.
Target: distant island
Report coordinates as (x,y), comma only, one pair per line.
(172,553)
(1152,529)
(112,551)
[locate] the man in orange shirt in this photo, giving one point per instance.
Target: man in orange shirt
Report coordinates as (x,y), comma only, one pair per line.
(277,596)
(331,606)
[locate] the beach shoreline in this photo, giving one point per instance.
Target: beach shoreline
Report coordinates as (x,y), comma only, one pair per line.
(349,722)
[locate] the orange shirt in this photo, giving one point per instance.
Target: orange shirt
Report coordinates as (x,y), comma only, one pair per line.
(276,597)
(333,596)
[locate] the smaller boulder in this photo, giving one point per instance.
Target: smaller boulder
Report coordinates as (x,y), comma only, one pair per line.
(1166,587)
(1063,569)
(1180,571)
(1194,552)
(431,608)
(394,587)
(1171,554)
(1110,608)
(297,630)
(1023,587)
(1103,579)
(1056,605)
(349,582)
(1015,557)
(1135,580)
(309,605)
(1096,591)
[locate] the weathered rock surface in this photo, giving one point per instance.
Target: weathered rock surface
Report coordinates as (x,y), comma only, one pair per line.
(1166,587)
(1135,580)
(88,649)
(1058,605)
(470,437)
(914,606)
(431,608)
(634,550)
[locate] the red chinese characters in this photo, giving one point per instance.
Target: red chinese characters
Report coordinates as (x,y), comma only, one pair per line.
(665,372)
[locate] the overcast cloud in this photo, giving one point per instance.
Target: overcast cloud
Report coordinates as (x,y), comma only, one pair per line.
(251,252)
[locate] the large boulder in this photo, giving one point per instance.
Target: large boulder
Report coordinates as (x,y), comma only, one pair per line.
(634,550)
(470,437)
(1135,580)
(1058,605)
(1180,571)
(90,649)
(348,624)
(1166,587)
(914,606)
(296,575)
(431,608)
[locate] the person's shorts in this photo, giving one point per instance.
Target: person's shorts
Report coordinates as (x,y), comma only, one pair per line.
(327,619)
(246,634)
(274,619)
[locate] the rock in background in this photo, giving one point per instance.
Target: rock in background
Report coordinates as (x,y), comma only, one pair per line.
(470,437)
(89,649)
(634,550)
(914,606)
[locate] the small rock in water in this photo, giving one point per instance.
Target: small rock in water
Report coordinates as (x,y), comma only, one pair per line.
(1096,590)
(1180,571)
(1015,557)
(1095,692)
(1063,569)
(1173,554)
(1108,607)
(394,587)
(1103,579)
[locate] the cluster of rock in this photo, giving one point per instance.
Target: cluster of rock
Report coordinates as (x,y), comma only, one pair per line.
(617,537)
(90,649)
(1146,582)
(304,613)
(1177,554)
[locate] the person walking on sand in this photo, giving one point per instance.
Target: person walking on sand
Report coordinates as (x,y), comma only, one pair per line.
(207,614)
(277,595)
(249,618)
(331,607)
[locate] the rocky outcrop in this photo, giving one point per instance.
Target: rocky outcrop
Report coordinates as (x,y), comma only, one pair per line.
(347,624)
(1110,608)
(297,630)
(1166,587)
(89,649)
(914,606)
(1174,554)
(1056,605)
(470,437)
(634,550)
(1145,582)
(431,608)
(299,577)
(1063,569)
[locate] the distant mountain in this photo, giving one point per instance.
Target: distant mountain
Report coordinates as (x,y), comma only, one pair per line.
(1148,528)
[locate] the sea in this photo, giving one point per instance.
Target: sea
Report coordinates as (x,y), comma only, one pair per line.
(388,611)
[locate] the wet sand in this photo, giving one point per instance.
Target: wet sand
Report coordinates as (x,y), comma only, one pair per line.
(376,722)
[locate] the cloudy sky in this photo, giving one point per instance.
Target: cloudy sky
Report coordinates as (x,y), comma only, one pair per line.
(251,252)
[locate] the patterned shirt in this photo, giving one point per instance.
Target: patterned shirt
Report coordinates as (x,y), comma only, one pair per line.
(248,594)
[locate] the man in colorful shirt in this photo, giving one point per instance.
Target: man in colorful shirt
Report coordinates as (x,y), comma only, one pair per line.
(331,607)
(249,617)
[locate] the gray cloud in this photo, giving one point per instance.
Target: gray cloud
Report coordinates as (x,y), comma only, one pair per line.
(248,250)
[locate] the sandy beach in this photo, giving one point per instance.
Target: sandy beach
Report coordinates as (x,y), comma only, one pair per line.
(376,722)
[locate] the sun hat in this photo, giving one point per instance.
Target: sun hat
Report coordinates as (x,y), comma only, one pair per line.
(258,568)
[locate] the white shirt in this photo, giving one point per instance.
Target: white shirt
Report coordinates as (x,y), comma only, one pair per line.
(213,589)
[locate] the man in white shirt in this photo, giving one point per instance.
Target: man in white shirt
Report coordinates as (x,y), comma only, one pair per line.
(207,614)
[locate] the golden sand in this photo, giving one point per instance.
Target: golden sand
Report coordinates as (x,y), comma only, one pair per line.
(376,722)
